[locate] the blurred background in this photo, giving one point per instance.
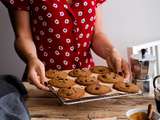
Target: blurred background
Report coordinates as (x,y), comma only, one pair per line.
(125,22)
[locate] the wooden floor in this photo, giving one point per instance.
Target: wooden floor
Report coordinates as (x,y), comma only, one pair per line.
(45,106)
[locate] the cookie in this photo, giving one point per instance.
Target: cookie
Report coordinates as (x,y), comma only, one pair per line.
(79,72)
(100,69)
(97,89)
(126,87)
(55,73)
(86,80)
(61,82)
(110,77)
(71,92)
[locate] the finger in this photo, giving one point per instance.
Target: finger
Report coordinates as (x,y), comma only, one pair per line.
(41,74)
(110,65)
(30,81)
(126,70)
(36,81)
(118,64)
(127,76)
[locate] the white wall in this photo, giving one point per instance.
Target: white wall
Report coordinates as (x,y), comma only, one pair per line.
(131,22)
(126,22)
(10,63)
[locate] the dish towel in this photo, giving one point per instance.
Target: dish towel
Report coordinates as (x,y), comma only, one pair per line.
(12,105)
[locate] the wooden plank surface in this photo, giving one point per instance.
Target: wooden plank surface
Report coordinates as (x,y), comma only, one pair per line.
(44,106)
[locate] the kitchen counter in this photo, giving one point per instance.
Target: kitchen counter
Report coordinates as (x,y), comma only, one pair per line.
(44,106)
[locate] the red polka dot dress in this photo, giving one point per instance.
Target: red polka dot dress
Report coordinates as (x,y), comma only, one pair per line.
(62,32)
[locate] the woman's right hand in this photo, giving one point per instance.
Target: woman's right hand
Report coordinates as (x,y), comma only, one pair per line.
(36,74)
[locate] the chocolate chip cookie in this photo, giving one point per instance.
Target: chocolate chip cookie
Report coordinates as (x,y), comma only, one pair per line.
(86,80)
(79,72)
(100,69)
(97,89)
(55,73)
(61,82)
(110,78)
(126,87)
(71,92)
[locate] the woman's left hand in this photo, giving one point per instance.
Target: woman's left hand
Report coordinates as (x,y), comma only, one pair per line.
(118,64)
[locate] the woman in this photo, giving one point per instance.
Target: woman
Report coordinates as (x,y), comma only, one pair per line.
(59,34)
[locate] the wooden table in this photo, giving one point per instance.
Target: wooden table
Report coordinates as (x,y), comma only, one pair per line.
(44,106)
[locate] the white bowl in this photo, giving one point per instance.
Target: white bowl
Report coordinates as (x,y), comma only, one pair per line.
(132,111)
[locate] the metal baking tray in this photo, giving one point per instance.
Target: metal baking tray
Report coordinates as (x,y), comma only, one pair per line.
(88,97)
(91,97)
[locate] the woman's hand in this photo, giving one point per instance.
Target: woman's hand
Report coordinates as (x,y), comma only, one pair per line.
(26,48)
(36,74)
(118,64)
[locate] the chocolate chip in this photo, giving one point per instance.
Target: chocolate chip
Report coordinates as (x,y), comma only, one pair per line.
(81,81)
(127,85)
(103,76)
(98,85)
(114,77)
(120,73)
(69,93)
(97,88)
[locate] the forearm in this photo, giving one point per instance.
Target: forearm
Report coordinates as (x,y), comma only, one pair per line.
(101,45)
(26,49)
(24,44)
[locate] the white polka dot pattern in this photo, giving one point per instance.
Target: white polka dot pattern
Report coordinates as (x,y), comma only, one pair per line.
(49,15)
(80,13)
(49,40)
(50,30)
(85,3)
(73,66)
(56,21)
(55,5)
(72,48)
(41,48)
(61,13)
(68,40)
(66,21)
(89,10)
(58,67)
(62,34)
(42,32)
(37,38)
(57,52)
(65,6)
(76,59)
(67,54)
(36,9)
(58,35)
(45,54)
(60,47)
(44,7)
(52,60)
(12,1)
(65,62)
(81,35)
(64,30)
(77,4)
